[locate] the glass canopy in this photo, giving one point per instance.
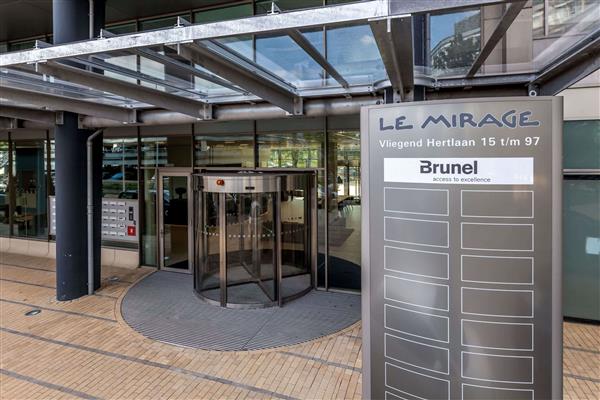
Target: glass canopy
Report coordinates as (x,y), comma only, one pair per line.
(288,58)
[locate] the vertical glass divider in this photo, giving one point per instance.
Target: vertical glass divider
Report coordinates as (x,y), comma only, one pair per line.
(223,249)
(277,209)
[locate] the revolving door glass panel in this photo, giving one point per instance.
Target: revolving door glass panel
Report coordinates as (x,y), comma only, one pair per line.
(252,238)
(250,248)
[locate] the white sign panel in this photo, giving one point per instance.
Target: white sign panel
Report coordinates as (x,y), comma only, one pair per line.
(460,171)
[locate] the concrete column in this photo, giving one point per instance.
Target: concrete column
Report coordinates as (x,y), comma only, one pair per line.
(71,23)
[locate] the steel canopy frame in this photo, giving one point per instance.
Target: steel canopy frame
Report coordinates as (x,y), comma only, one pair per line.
(45,117)
(505,22)
(330,15)
(144,94)
(316,55)
(244,73)
(56,102)
(394,37)
(168,61)
(390,22)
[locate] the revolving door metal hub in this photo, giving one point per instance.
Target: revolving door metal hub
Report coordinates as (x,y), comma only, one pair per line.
(254,238)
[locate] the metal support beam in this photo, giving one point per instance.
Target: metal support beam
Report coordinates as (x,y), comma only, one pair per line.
(97,63)
(244,73)
(144,94)
(62,103)
(46,117)
(582,60)
(316,55)
(170,62)
(241,112)
(505,22)
(261,24)
(395,43)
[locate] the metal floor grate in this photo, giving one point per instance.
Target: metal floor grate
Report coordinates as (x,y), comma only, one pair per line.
(163,307)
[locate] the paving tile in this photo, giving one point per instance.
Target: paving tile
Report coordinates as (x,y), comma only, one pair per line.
(83,348)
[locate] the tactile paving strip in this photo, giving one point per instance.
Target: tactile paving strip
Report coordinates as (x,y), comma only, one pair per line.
(164,307)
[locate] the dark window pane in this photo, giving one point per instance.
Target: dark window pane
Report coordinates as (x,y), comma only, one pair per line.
(119,168)
(581,248)
(581,144)
(454,41)
(166,151)
(161,23)
(122,28)
(18,46)
(30,215)
(223,13)
(224,150)
(264,6)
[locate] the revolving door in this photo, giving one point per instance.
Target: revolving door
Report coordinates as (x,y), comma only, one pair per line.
(254,238)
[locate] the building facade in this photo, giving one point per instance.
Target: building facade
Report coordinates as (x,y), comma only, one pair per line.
(150,164)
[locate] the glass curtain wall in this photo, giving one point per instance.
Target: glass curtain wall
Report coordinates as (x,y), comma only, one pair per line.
(344,212)
(119,168)
(298,144)
(224,144)
(29,169)
(454,42)
(160,147)
(581,220)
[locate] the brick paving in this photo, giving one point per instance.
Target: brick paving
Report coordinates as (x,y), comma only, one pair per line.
(83,349)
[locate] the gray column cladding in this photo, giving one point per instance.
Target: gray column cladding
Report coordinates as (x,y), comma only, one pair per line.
(70,19)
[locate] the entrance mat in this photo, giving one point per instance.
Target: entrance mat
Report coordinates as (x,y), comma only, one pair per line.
(163,307)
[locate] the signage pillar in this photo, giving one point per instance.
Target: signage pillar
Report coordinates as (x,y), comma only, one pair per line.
(462,249)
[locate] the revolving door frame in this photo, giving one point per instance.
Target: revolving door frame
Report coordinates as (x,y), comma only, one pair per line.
(254,182)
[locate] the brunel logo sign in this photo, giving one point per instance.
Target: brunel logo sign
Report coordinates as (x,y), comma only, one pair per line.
(509,119)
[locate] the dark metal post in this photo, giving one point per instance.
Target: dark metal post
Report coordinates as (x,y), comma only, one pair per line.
(71,21)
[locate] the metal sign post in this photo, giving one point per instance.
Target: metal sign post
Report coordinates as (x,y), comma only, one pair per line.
(461,249)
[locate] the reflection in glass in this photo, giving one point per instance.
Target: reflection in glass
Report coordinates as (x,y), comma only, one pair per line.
(119,168)
(352,50)
(283,57)
(561,15)
(30,215)
(291,150)
(581,248)
(166,151)
(344,214)
(224,151)
(206,243)
(149,228)
(4,193)
(455,41)
(538,17)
